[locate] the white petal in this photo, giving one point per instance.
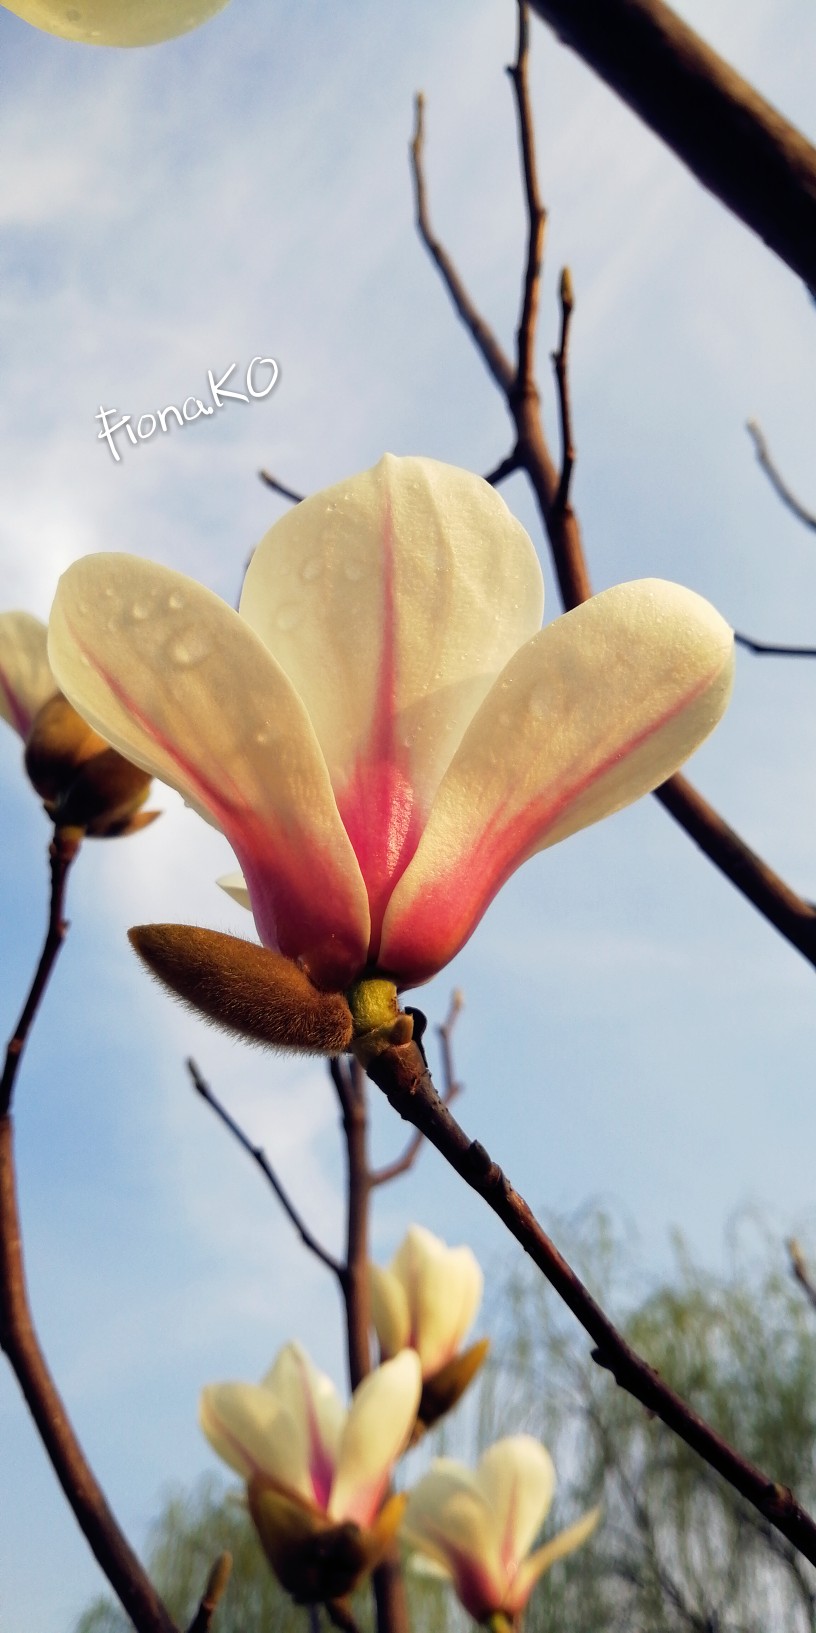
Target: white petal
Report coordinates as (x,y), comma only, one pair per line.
(26,681)
(390,1315)
(517,1480)
(536,1564)
(392,601)
(449,1520)
(443,1287)
(254,1434)
(172,677)
(382,1415)
(311,1401)
(597,709)
(115,22)
(234,885)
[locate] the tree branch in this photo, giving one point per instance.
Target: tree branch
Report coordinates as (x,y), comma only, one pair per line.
(777,481)
(213,1593)
(732,140)
(536,214)
(765,649)
(794,917)
(63,849)
(402,1165)
(405,1080)
(497,363)
(259,1156)
(87,1500)
(278,487)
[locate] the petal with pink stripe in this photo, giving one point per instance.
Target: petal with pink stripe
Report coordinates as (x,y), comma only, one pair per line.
(175,680)
(596,710)
(392,601)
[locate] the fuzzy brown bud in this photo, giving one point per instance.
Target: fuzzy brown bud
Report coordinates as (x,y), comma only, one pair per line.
(245,988)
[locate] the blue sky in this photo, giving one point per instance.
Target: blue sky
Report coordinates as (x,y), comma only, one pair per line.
(633,1031)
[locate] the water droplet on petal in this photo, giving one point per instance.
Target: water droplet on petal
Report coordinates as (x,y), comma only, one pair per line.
(188,649)
(312,569)
(140,610)
(353,569)
(175,601)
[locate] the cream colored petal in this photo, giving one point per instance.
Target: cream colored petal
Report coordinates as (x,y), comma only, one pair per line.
(389,1311)
(448,1519)
(517,1480)
(597,709)
(254,1434)
(443,1287)
(115,22)
(311,1401)
(536,1564)
(172,677)
(392,601)
(382,1415)
(26,681)
(234,885)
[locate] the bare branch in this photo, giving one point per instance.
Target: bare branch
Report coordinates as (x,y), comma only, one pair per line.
(765,649)
(505,468)
(63,849)
(486,343)
(213,1593)
(402,1165)
(404,1078)
(278,487)
(790,914)
(561,366)
(777,481)
(259,1156)
(19,1340)
(799,1270)
(733,141)
(536,213)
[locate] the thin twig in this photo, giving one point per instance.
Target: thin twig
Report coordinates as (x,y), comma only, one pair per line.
(561,366)
(259,1156)
(279,487)
(19,1340)
(402,1165)
(505,468)
(790,914)
(404,1078)
(733,141)
(799,1270)
(536,213)
(63,849)
(777,481)
(765,649)
(340,1615)
(490,351)
(213,1593)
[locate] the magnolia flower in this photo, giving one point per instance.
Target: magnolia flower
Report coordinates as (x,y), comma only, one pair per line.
(317,1476)
(384,732)
(426,1300)
(82,782)
(476,1529)
(115,22)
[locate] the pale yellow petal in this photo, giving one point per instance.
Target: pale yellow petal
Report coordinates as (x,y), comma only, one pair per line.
(537,1563)
(389,1310)
(517,1480)
(382,1415)
(253,1433)
(115,22)
(26,681)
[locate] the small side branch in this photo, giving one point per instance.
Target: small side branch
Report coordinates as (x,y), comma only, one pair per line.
(279,487)
(486,343)
(561,366)
(259,1156)
(536,213)
(776,480)
(213,1593)
(64,847)
(766,649)
(405,1080)
(799,1270)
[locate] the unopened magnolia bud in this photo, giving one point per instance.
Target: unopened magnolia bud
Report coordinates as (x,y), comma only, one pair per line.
(444,1388)
(245,988)
(82,781)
